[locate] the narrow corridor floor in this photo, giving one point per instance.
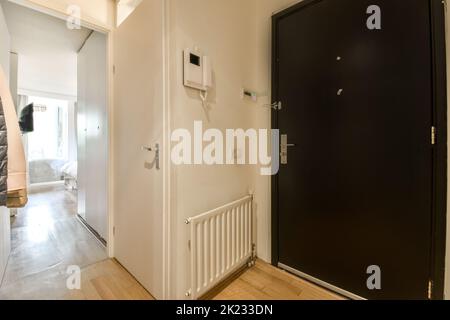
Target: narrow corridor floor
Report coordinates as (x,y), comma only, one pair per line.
(47,238)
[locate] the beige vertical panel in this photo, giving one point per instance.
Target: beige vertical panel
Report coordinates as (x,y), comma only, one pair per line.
(138,121)
(93,133)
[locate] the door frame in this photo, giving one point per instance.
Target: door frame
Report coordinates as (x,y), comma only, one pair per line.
(439,151)
(95,25)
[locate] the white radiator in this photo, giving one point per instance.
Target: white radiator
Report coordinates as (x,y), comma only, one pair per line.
(221,243)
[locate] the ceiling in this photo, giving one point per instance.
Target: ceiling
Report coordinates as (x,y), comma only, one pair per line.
(47,50)
(33,31)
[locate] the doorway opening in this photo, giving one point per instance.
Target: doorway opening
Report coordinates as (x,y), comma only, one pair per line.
(61,94)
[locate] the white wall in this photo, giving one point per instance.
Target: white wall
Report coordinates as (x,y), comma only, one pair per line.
(237,36)
(5,43)
(53,75)
(224,30)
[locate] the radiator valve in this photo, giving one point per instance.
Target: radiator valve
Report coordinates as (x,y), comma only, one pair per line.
(253,258)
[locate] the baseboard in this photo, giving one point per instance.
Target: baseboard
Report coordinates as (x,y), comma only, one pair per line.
(91,230)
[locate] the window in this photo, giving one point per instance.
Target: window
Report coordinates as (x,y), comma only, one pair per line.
(50,139)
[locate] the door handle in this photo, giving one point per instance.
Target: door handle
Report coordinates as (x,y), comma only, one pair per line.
(155,162)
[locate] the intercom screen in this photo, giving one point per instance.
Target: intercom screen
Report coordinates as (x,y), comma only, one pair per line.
(195,59)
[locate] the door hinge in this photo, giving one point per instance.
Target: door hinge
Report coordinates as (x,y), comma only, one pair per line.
(114,231)
(430,290)
(433,135)
(114,69)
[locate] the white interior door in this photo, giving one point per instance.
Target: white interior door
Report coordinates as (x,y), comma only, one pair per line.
(138,121)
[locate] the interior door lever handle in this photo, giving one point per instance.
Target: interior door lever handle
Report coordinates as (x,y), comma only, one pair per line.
(155,163)
(291,145)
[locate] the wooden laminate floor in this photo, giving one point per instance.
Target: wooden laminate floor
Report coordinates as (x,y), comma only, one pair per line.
(108,280)
(47,239)
(265,282)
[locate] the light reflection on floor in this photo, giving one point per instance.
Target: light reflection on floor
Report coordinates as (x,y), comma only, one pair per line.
(41,224)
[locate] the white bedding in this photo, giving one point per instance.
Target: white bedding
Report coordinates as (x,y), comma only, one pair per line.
(70,169)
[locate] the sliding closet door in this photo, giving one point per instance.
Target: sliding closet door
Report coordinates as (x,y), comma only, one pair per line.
(97,134)
(93,133)
(81,134)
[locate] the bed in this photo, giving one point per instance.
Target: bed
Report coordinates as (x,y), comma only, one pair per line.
(70,173)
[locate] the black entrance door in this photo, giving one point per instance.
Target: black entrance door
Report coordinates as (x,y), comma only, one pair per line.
(357,188)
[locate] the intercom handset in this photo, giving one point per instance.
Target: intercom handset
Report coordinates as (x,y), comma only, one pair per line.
(197,70)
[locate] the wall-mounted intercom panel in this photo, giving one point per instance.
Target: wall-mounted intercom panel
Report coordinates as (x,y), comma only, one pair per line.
(197,70)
